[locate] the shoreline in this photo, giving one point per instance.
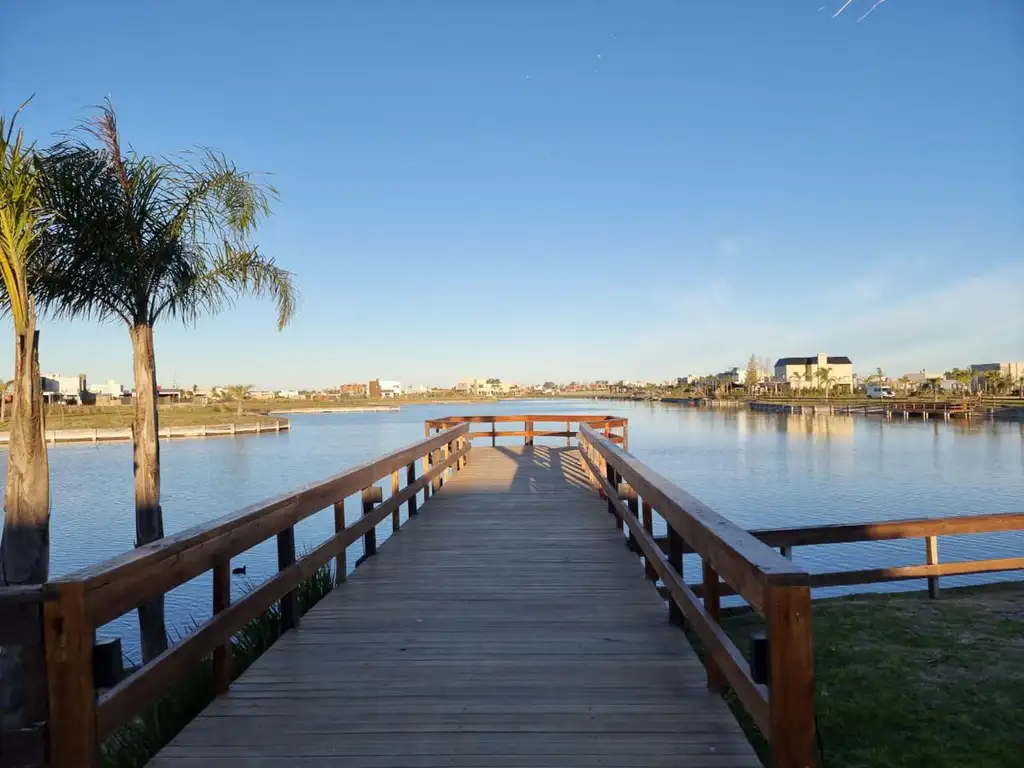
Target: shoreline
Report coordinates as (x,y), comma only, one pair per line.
(124,434)
(335,409)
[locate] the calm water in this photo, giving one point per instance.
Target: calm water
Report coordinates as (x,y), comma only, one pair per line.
(760,470)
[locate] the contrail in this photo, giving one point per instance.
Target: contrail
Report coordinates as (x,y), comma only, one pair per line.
(842,9)
(877,3)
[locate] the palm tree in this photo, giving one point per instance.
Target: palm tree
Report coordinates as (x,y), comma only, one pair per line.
(933,381)
(905,383)
(24,545)
(25,541)
(136,239)
(795,377)
(238,392)
(825,379)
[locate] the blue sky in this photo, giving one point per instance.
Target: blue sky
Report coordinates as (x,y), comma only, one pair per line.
(570,190)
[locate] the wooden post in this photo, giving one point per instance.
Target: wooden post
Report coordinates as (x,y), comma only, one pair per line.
(787,613)
(528,428)
(648,522)
(713,605)
(426,468)
(675,559)
(609,473)
(931,551)
(568,434)
(633,502)
(221,601)
(285,557)
(371,495)
(435,484)
(69,639)
(616,479)
(786,550)
(396,522)
(494,438)
(625,435)
(340,559)
(410,478)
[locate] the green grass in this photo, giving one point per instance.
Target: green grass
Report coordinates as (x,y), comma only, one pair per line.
(909,682)
(135,743)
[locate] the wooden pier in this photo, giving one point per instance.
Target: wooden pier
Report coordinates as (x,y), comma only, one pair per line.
(505,622)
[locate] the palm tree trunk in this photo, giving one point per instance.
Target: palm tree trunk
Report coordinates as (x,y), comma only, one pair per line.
(25,543)
(149,519)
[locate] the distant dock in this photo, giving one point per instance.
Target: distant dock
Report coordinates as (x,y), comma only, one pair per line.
(120,434)
(336,409)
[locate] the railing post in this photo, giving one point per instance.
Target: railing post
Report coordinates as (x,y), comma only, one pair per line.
(221,601)
(494,437)
(285,557)
(371,496)
(528,428)
(648,522)
(68,640)
(410,478)
(609,474)
(713,606)
(931,549)
(435,484)
(675,559)
(396,522)
(426,468)
(568,434)
(340,559)
(633,502)
(616,479)
(625,435)
(787,612)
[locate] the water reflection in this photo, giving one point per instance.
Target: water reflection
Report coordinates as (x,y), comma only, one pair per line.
(760,469)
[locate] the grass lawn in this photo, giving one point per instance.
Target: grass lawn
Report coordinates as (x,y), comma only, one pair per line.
(101,417)
(907,681)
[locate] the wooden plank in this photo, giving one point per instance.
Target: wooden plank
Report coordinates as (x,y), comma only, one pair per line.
(72,701)
(410,479)
(484,635)
(122,583)
(396,521)
(713,608)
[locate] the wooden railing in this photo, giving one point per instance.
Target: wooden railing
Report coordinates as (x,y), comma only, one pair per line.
(614,428)
(784,708)
(927,529)
(74,606)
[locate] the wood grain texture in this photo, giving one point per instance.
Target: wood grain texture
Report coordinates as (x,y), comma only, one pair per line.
(483,635)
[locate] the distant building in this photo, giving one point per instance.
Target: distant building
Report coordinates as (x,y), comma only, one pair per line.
(802,372)
(110,389)
(353,390)
(261,394)
(983,372)
(476,387)
(731,377)
(289,394)
(63,389)
(380,388)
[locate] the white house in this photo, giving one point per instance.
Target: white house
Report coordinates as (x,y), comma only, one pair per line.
(111,389)
(802,372)
(390,388)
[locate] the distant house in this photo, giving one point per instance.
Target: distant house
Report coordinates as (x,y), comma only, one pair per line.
(477,387)
(63,389)
(980,372)
(380,388)
(802,372)
(289,394)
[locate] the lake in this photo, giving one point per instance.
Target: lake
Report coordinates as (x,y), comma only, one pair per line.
(759,469)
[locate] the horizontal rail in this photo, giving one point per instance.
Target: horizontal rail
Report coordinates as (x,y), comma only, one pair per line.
(121,703)
(124,582)
(718,644)
(769,582)
(90,597)
(928,529)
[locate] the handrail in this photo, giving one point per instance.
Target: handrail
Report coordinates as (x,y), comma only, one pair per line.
(92,596)
(608,423)
(770,583)
(928,529)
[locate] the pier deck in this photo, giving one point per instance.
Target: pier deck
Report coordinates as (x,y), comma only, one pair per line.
(506,625)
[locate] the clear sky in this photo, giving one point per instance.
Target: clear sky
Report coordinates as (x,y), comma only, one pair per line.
(547,189)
